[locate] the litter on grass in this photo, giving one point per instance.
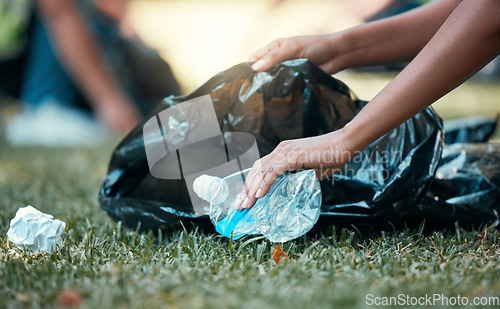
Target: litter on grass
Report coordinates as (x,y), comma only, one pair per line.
(278,254)
(35,231)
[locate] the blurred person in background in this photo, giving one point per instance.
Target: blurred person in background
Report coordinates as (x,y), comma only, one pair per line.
(447,42)
(62,58)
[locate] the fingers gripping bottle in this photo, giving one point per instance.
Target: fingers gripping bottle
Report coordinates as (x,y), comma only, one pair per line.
(289,210)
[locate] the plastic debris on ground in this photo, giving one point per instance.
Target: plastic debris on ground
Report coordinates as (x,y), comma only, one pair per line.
(290,209)
(392,180)
(278,255)
(35,231)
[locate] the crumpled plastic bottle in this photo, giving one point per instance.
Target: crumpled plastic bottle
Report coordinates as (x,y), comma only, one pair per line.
(289,210)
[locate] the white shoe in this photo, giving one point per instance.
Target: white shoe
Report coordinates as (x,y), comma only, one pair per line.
(54,124)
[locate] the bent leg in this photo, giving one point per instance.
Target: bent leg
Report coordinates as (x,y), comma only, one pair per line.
(44,78)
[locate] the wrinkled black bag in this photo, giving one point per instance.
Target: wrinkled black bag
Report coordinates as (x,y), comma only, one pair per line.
(293,100)
(466,187)
(473,129)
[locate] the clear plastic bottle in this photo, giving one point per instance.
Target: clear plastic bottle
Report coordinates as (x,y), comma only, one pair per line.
(290,208)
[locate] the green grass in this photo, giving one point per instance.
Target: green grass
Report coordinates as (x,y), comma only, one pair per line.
(113,267)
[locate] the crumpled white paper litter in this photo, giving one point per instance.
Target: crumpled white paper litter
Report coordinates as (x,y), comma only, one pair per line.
(35,230)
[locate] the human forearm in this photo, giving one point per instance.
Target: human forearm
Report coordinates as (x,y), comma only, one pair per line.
(116,9)
(393,39)
(468,39)
(464,44)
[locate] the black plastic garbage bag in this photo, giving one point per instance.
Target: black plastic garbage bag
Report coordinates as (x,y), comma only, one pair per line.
(466,187)
(473,129)
(384,183)
(293,100)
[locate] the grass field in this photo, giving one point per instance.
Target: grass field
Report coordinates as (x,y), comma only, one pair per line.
(109,266)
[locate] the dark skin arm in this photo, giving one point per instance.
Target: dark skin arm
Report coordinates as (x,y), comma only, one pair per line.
(467,40)
(392,39)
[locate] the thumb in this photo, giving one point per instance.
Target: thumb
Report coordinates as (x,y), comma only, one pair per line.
(279,51)
(272,59)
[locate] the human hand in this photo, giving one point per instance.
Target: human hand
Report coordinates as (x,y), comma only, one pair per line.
(118,114)
(326,154)
(323,50)
(127,29)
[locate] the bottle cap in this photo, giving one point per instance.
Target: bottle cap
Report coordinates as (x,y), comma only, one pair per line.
(201,186)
